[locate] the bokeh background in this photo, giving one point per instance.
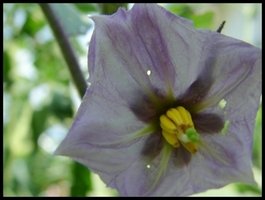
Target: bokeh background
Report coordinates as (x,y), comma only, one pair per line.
(40,99)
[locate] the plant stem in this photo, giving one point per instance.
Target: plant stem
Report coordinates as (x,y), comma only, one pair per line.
(66,48)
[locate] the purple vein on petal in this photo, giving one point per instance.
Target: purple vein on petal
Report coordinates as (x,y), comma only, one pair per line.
(215,98)
(154,53)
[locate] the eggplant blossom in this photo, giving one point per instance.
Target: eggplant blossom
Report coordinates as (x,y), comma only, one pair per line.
(170,110)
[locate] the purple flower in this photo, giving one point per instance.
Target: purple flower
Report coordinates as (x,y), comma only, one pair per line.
(170,109)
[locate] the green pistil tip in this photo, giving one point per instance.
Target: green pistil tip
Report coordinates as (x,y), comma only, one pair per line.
(192,135)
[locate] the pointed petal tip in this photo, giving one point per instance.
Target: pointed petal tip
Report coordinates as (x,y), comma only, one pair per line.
(60,150)
(121,12)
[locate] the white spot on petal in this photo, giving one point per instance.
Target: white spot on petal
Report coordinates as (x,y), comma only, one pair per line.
(148,72)
(148,166)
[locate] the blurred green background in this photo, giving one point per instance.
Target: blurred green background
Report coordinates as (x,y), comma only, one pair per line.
(40,99)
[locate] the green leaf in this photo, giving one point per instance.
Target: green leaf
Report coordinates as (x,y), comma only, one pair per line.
(34,21)
(183,10)
(38,124)
(204,20)
(71,19)
(110,8)
(86,7)
(81,183)
(244,188)
(61,105)
(7,68)
(49,62)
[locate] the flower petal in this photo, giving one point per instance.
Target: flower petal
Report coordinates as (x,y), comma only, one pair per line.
(236,76)
(197,91)
(218,164)
(103,119)
(233,64)
(153,145)
(237,81)
(128,44)
(224,161)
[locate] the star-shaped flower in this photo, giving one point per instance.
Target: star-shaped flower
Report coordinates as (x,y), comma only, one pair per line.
(170,109)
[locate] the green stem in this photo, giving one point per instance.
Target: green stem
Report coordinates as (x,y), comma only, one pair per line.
(66,48)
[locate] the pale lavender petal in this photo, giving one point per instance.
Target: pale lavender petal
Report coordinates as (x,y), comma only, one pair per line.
(224,161)
(197,90)
(147,37)
(236,80)
(214,166)
(103,119)
(236,68)
(234,65)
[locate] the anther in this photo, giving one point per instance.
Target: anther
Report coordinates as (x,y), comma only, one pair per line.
(178,128)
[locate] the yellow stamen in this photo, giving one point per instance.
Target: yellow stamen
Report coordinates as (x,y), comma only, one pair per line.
(185,116)
(175,116)
(167,123)
(171,139)
(177,127)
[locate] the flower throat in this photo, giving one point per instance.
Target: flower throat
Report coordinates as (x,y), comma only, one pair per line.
(178,128)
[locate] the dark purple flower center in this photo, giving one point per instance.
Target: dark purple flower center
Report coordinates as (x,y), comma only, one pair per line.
(198,123)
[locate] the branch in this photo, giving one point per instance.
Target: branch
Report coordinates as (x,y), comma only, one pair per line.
(66,48)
